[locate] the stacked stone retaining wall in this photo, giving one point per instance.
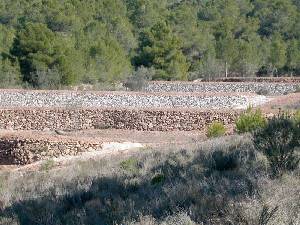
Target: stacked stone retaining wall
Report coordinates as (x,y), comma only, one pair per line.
(60,111)
(24,150)
(260,79)
(127,119)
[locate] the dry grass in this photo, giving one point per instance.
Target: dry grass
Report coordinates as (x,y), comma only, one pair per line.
(179,187)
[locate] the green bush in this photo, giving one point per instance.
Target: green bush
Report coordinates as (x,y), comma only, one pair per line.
(48,79)
(48,165)
(216,129)
(9,74)
(250,121)
(139,78)
(263,91)
(130,165)
(231,159)
(224,161)
(297,117)
(279,140)
(158,179)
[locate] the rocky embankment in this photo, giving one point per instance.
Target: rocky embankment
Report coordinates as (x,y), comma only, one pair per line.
(265,88)
(170,106)
(21,150)
(125,119)
(72,99)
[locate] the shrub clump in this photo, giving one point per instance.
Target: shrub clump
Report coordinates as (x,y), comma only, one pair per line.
(216,129)
(232,159)
(297,117)
(250,121)
(130,165)
(48,165)
(138,80)
(263,91)
(158,179)
(223,161)
(279,140)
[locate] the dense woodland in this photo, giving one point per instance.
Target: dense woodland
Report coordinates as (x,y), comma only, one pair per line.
(65,42)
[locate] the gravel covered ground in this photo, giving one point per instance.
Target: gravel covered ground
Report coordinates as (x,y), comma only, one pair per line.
(267,88)
(65,99)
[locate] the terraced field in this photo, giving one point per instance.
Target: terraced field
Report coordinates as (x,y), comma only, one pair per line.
(37,125)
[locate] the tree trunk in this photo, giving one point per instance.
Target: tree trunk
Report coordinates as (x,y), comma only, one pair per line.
(226,70)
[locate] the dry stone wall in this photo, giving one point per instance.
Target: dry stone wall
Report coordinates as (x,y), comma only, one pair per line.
(60,111)
(21,151)
(273,88)
(260,79)
(127,119)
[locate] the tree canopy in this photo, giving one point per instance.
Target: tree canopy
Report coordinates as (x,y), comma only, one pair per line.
(65,42)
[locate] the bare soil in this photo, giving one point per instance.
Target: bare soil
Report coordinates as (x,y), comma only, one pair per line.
(112,135)
(285,102)
(148,139)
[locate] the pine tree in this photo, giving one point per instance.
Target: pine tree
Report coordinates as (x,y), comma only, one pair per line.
(161,49)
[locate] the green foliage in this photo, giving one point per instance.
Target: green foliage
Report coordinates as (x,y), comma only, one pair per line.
(232,159)
(48,79)
(34,48)
(250,121)
(275,16)
(130,165)
(158,179)
(277,57)
(293,56)
(223,161)
(144,14)
(109,61)
(113,14)
(216,129)
(279,140)
(39,49)
(104,57)
(208,68)
(47,165)
(297,117)
(137,81)
(104,41)
(193,191)
(7,36)
(161,49)
(9,74)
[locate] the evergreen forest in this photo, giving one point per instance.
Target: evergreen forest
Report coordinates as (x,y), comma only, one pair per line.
(66,42)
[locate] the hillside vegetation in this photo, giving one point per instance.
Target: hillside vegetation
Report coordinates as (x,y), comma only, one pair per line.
(236,180)
(54,43)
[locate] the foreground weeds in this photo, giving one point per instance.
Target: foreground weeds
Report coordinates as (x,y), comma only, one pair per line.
(222,181)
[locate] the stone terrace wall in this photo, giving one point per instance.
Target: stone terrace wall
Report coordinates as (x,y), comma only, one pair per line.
(275,88)
(25,150)
(260,79)
(72,99)
(128,119)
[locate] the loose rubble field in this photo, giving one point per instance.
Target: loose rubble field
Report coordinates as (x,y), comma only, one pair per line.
(71,99)
(266,88)
(38,125)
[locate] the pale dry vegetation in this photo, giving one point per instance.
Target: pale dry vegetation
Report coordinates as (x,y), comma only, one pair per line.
(222,181)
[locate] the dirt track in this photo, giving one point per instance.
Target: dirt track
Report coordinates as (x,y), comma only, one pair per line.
(111,135)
